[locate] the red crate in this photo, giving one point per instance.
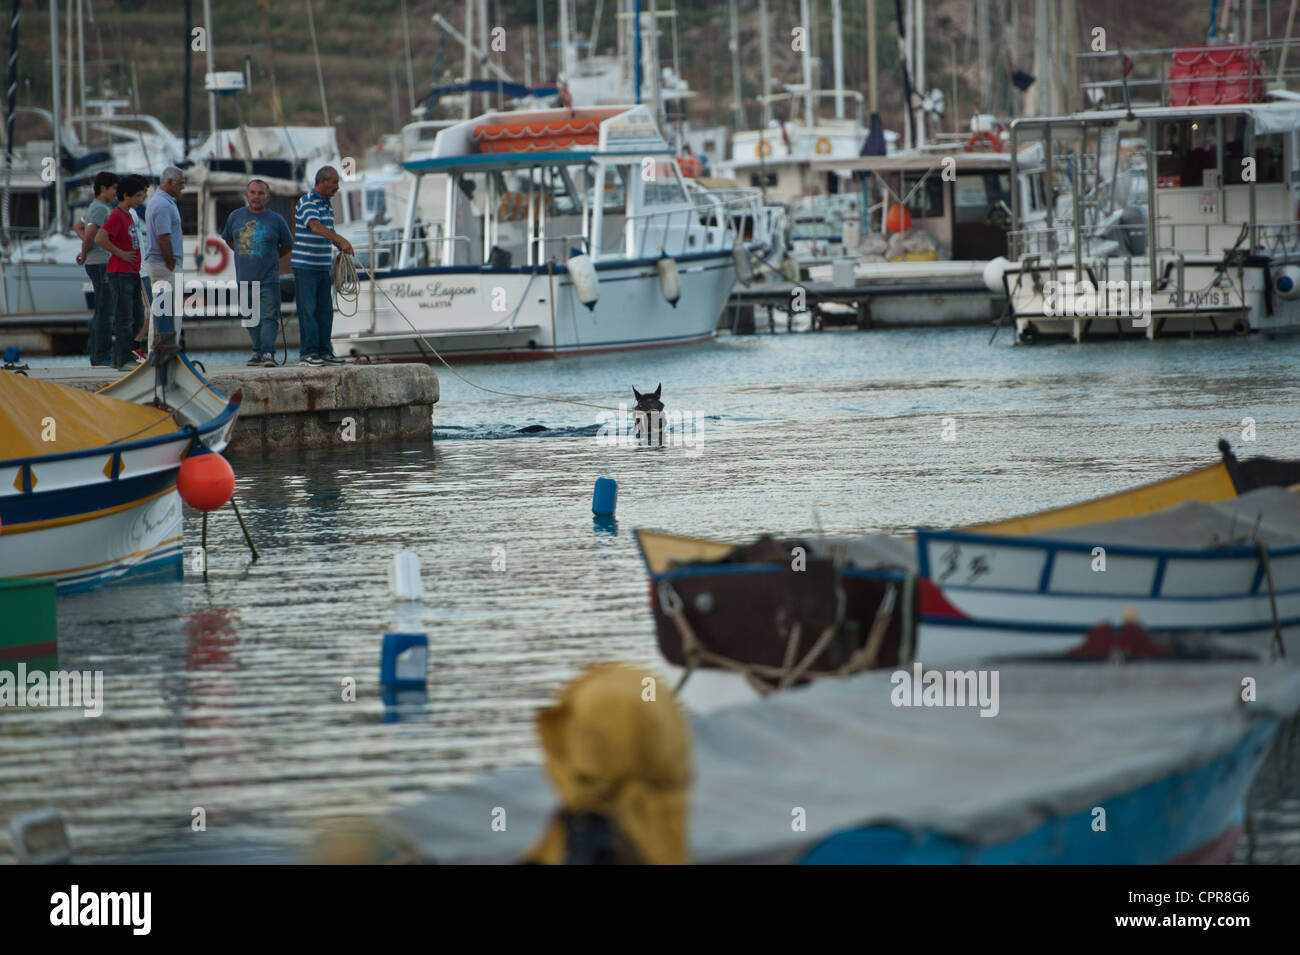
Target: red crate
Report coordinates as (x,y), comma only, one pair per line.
(1215,75)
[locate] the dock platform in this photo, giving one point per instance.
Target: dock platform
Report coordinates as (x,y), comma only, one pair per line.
(297,406)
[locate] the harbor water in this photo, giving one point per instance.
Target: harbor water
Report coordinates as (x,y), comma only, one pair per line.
(229,694)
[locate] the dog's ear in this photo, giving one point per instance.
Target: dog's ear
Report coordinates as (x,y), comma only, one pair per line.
(636,393)
(658,389)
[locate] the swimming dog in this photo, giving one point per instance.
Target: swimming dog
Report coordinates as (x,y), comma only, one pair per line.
(649,417)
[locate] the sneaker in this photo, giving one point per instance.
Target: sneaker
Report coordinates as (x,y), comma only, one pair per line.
(333,360)
(254,362)
(268,360)
(310,360)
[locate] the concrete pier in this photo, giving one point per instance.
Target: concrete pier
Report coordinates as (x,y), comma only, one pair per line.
(297,406)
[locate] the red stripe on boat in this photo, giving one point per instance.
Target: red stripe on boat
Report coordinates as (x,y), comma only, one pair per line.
(30,651)
(935,604)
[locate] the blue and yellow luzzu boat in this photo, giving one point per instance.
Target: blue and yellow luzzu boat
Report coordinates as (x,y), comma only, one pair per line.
(88,480)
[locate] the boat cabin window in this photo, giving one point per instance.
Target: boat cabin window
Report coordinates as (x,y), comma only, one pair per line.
(765,180)
(927,201)
(354,206)
(663,188)
(189,206)
(975,193)
(1185,150)
(225,205)
(1268,153)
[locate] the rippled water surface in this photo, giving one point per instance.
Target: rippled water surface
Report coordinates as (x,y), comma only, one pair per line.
(226,694)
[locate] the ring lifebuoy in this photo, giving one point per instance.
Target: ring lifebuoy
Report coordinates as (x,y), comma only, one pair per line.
(823,146)
(221,248)
(763,149)
(993,139)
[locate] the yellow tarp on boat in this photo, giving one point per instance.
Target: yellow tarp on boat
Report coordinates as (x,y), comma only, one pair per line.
(41,417)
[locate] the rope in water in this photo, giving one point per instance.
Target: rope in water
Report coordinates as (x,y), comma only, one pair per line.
(346,283)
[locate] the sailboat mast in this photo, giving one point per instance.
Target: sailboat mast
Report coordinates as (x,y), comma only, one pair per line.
(58,116)
(873,90)
(735,65)
(81,61)
(764,46)
(837,46)
(469,57)
(212,96)
(807,64)
(919,40)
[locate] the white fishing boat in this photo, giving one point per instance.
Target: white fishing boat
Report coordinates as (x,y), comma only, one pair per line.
(942,215)
(1229,567)
(562,231)
(1213,247)
(88,487)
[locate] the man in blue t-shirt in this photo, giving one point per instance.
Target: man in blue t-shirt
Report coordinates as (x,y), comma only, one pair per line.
(313,234)
(261,240)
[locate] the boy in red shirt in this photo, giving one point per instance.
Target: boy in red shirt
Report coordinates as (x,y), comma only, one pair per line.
(119,239)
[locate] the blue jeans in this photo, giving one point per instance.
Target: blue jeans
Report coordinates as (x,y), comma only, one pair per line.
(311,290)
(263,334)
(101,324)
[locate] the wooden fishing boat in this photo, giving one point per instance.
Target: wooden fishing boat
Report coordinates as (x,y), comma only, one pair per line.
(90,494)
(1232,567)
(778,613)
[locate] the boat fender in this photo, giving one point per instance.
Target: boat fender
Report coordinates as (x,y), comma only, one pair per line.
(669,282)
(994,270)
(1287,282)
(1133,224)
(744,268)
(583,273)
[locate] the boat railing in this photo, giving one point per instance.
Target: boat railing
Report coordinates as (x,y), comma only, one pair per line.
(1269,236)
(676,231)
(406,252)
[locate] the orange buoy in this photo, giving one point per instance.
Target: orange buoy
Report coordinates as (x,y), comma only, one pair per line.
(898,219)
(206,481)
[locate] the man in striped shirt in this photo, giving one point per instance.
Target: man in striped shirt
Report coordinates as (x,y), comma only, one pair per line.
(312,260)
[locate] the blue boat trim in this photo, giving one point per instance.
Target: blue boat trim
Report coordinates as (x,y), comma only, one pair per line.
(1046,578)
(558,270)
(1124,550)
(167,561)
(1152,824)
(83,498)
(1159,580)
(1021,626)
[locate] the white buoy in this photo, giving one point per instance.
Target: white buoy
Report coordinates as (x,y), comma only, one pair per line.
(404,576)
(669,282)
(994,269)
(583,273)
(744,268)
(1287,283)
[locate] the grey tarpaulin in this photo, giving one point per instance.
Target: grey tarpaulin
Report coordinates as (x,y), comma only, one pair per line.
(1065,737)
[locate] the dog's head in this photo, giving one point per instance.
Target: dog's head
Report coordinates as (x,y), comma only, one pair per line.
(649,402)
